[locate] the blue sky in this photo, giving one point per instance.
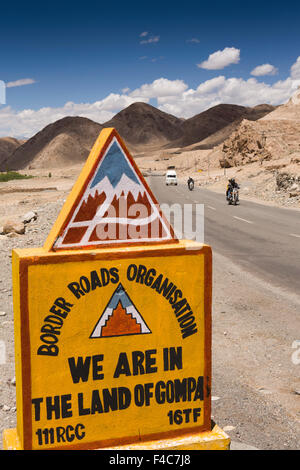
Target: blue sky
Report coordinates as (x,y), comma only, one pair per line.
(105,53)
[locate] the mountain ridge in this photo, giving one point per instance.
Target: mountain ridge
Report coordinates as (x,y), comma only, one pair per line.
(69,140)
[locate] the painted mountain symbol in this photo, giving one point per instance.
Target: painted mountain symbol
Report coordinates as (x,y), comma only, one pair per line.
(115,206)
(120,317)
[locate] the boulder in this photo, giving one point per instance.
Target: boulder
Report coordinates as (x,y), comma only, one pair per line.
(13,226)
(29,216)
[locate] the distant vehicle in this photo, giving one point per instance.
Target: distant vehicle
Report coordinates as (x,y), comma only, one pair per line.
(232,193)
(171,177)
(191,184)
(233,197)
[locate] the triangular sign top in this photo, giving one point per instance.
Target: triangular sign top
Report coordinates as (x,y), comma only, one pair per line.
(120,317)
(110,203)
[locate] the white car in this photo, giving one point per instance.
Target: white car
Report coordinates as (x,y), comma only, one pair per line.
(171,177)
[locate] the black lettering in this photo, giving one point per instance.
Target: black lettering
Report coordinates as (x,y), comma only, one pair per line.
(157,283)
(79,370)
(139,395)
(66,406)
(48,338)
(149,277)
(137,363)
(54,319)
(124,397)
(76,289)
(81,410)
(97,368)
(85,284)
(188,331)
(191,387)
(131,272)
(122,366)
(60,433)
(170,293)
(165,288)
(50,329)
(114,275)
(45,350)
(104,276)
(178,305)
(180,389)
(160,396)
(95,281)
(186,322)
(96,403)
(141,274)
(175,358)
(53,407)
(63,304)
(58,312)
(70,433)
(199,394)
(110,399)
(150,361)
(77,434)
(37,408)
(177,294)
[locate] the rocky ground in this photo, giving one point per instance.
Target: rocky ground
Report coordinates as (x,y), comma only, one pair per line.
(35,234)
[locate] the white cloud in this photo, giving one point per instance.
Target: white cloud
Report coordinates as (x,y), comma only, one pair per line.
(218,90)
(161,87)
(143,34)
(2,92)
(264,69)
(20,82)
(193,40)
(28,122)
(152,39)
(220,59)
(295,69)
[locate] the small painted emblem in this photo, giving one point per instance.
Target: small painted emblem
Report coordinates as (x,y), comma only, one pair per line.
(120,317)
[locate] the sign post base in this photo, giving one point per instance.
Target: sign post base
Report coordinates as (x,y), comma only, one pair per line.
(216,439)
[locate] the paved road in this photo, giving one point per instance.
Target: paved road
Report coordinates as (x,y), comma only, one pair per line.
(256,302)
(262,239)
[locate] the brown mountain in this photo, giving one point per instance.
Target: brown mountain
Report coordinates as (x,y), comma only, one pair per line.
(213,120)
(7,146)
(65,142)
(142,124)
(68,141)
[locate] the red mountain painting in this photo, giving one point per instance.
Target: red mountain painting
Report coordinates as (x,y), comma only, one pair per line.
(115,206)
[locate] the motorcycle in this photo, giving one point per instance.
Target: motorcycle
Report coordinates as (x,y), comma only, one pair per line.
(233,197)
(191,184)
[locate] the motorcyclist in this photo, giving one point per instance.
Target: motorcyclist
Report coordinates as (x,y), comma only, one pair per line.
(231,184)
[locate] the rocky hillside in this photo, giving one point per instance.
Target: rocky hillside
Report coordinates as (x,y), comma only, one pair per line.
(274,136)
(7,146)
(143,127)
(217,123)
(142,124)
(65,142)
